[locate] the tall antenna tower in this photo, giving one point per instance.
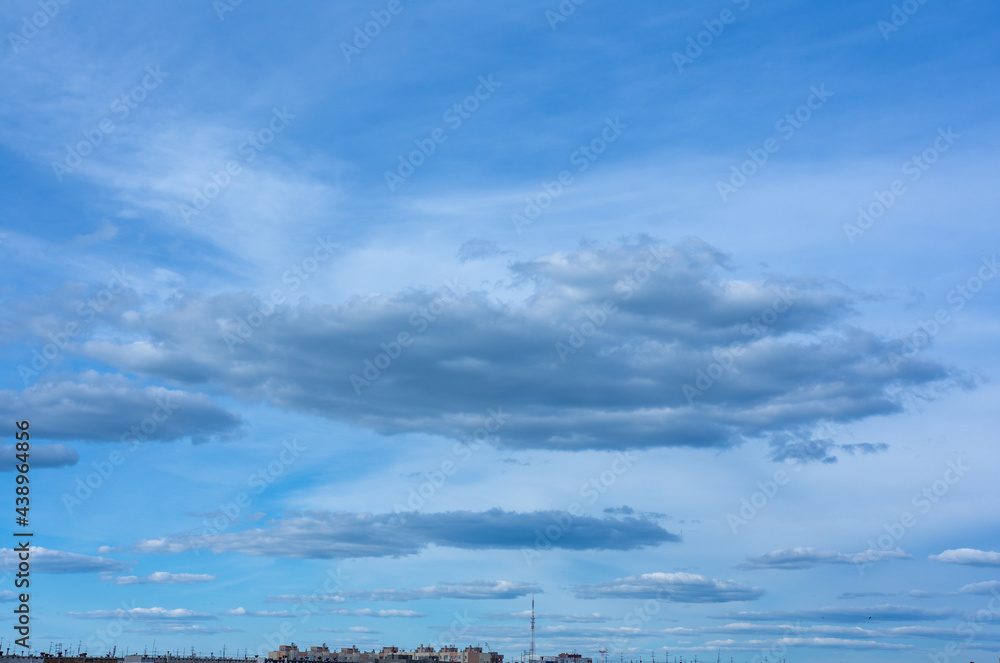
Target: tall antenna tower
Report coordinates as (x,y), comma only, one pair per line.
(531,656)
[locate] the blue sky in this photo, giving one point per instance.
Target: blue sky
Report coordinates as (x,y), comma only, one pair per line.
(676,316)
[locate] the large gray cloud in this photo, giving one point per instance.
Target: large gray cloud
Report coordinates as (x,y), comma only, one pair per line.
(42,455)
(691,355)
(321,535)
(46,560)
(96,406)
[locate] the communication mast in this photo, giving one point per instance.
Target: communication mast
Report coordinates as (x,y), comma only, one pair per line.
(531,656)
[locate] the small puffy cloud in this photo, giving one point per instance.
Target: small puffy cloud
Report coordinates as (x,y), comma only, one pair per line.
(968,557)
(675,587)
(145,614)
(985,587)
(243,612)
(162,578)
(368,612)
(805,558)
(169,628)
(477,249)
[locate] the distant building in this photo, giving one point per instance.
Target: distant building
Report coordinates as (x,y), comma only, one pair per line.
(170,658)
(292,653)
(422,654)
(565,658)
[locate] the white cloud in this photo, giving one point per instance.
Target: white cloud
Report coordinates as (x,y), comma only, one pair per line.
(45,560)
(674,587)
(968,557)
(805,558)
(162,577)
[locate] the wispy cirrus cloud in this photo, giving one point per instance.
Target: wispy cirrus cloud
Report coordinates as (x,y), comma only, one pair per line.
(323,535)
(525,615)
(674,587)
(145,614)
(985,587)
(806,558)
(478,589)
(881,612)
(162,578)
(243,612)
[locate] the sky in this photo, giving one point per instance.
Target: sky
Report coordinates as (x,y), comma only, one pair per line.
(367,323)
